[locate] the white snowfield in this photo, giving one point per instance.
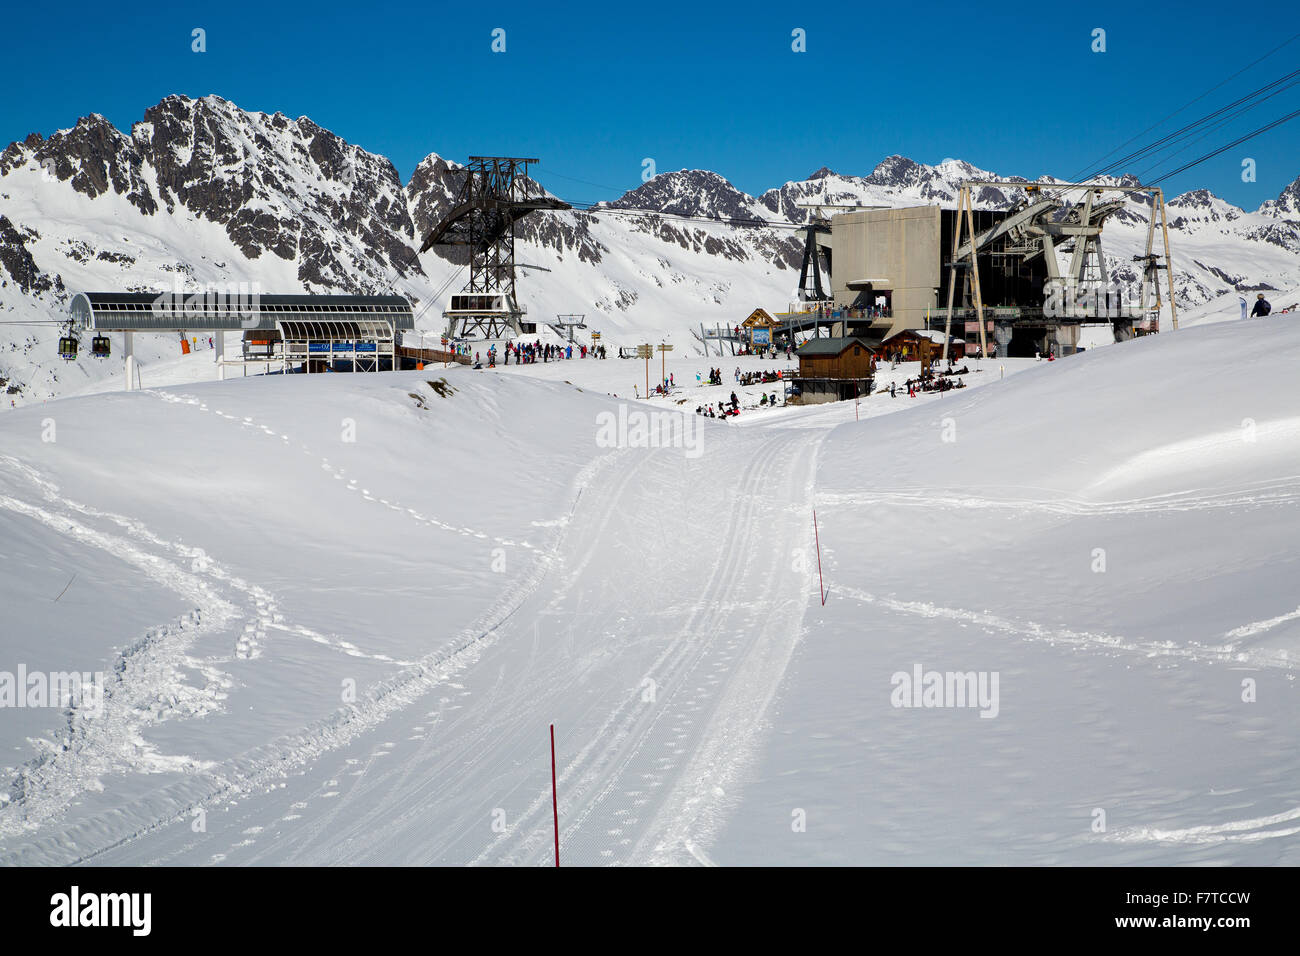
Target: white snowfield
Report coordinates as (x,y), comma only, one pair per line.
(338,614)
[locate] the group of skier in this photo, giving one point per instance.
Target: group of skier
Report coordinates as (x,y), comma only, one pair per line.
(928,382)
(529,353)
(732,407)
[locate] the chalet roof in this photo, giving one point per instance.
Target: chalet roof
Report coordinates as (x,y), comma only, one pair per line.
(934,335)
(759,317)
(836,346)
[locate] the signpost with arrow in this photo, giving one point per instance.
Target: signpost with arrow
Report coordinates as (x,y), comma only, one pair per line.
(663,365)
(646,352)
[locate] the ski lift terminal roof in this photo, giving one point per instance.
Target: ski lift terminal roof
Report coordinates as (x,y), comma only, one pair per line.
(150,312)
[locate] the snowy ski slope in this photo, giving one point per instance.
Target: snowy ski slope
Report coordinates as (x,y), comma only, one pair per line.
(337,615)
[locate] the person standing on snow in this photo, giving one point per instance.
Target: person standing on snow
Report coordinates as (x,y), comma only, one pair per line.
(1262,306)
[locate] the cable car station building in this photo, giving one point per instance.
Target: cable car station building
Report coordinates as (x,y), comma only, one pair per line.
(309,333)
(999,269)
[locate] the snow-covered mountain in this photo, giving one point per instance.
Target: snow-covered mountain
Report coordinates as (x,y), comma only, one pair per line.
(202,191)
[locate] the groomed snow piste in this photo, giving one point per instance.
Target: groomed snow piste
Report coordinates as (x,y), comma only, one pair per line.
(337,615)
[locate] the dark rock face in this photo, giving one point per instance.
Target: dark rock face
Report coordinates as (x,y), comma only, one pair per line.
(1286,205)
(1284,235)
(431,191)
(567,234)
(1196,199)
(689,192)
(16,260)
(280,187)
(900,172)
(1127,215)
(201,151)
(656,209)
(93,156)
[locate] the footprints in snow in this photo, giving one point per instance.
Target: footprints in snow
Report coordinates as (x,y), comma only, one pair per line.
(338,474)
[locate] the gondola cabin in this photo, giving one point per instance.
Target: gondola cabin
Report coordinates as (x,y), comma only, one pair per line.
(100,347)
(487,314)
(68,348)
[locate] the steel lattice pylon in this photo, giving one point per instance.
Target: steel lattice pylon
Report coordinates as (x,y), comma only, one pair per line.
(497,193)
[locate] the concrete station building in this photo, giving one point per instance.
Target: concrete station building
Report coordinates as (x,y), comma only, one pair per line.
(892,269)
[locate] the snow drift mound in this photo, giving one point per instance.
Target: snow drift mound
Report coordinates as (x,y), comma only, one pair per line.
(226,548)
(1108,544)
(342,611)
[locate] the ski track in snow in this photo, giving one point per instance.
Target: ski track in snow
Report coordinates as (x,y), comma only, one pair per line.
(640,781)
(152,670)
(149,680)
(1264,493)
(339,474)
(649,780)
(1086,640)
(1236,831)
(722,666)
(1256,628)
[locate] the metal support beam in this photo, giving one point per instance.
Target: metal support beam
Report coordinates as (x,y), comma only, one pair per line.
(1169,262)
(965,221)
(495,194)
(975,277)
(128,357)
(952,277)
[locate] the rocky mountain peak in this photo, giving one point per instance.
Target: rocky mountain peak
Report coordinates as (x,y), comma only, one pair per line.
(688,192)
(897,171)
(1286,205)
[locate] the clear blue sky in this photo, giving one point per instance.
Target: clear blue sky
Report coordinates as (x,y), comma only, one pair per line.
(592,89)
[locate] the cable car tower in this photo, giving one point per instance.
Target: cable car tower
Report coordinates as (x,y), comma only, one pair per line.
(496,194)
(810,270)
(817,249)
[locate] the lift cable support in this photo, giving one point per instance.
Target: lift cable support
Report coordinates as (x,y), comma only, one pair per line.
(1034,227)
(817,249)
(497,193)
(570,322)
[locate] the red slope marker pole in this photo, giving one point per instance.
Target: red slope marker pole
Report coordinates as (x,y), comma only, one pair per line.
(555,802)
(817,537)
